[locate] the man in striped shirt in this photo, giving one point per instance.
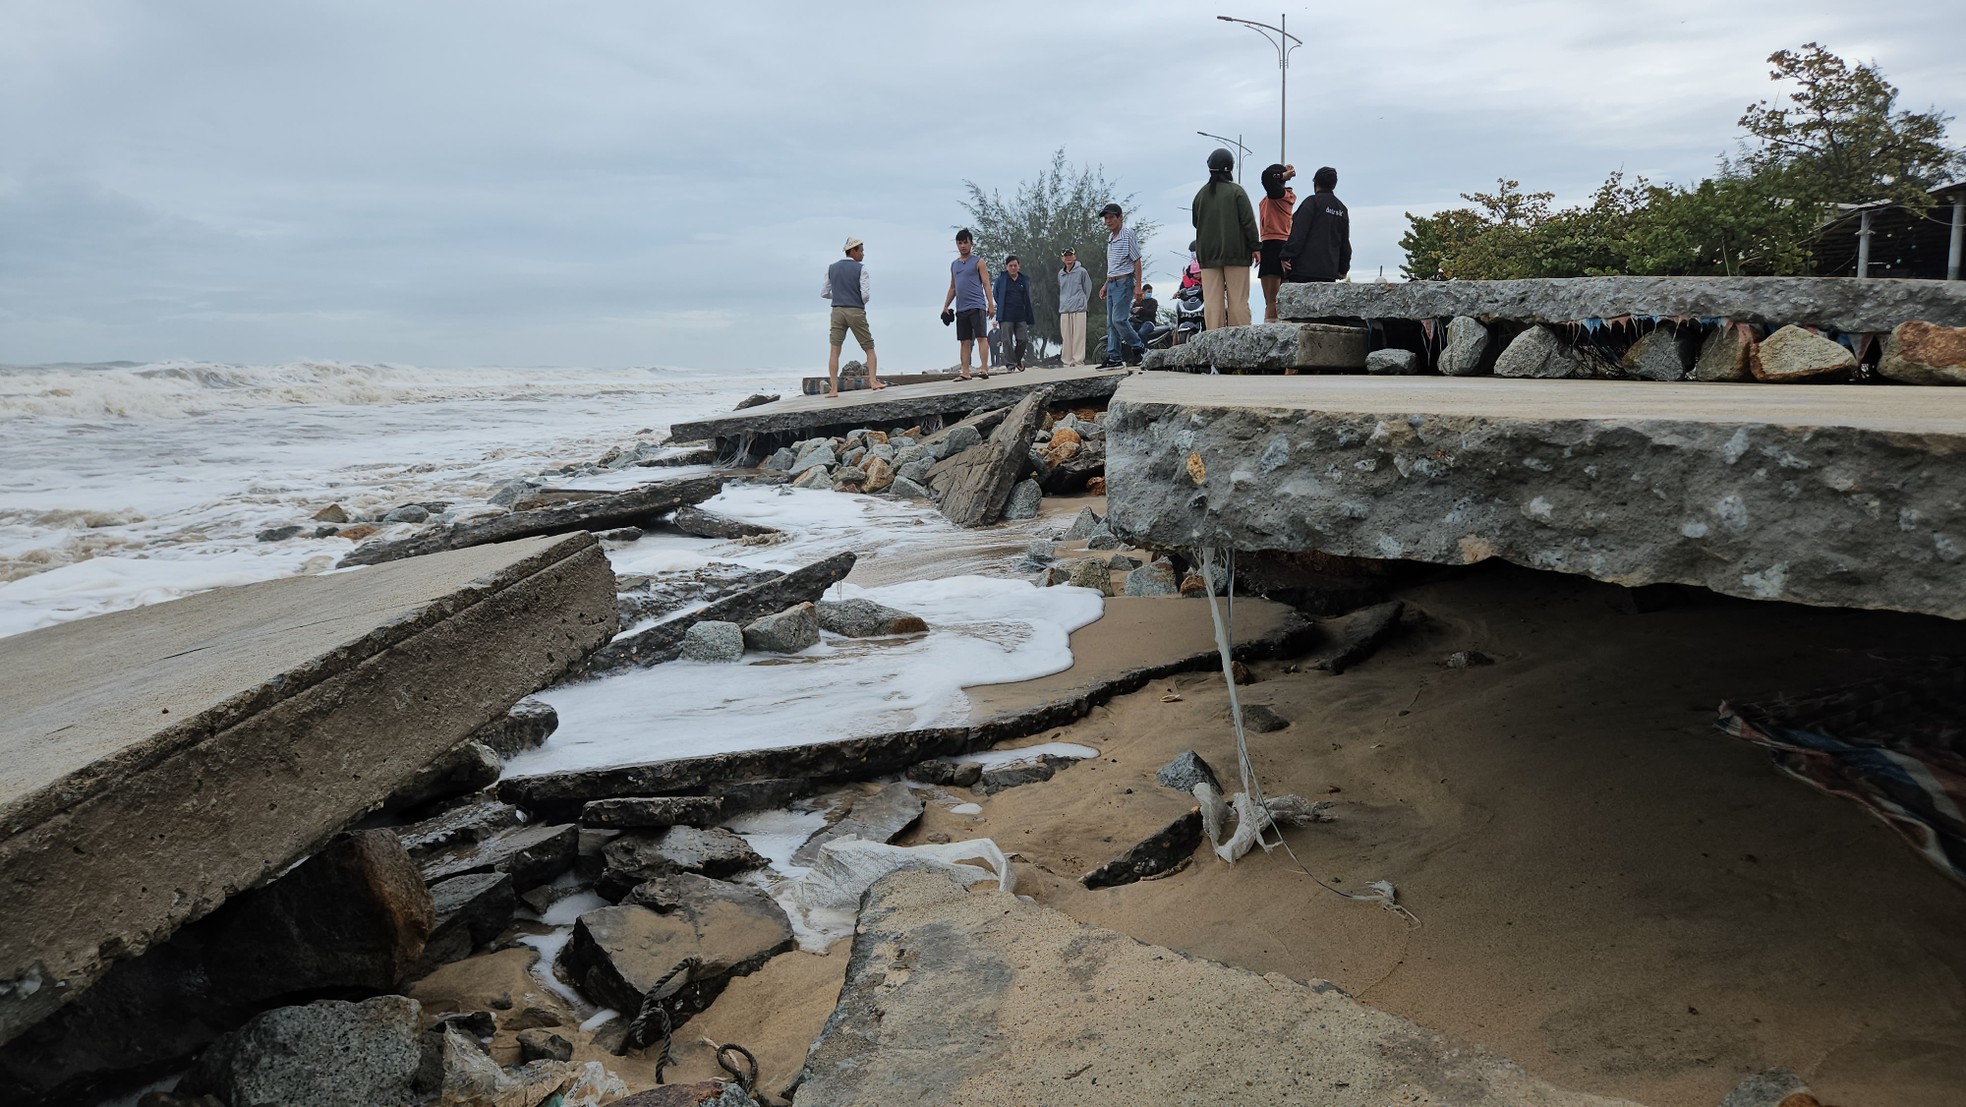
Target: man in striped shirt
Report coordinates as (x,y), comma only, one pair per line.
(1121,290)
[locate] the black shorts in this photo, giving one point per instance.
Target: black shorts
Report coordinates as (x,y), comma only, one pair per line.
(972,323)
(1272,258)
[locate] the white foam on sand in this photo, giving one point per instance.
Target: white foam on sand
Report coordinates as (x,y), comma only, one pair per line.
(982,630)
(990,759)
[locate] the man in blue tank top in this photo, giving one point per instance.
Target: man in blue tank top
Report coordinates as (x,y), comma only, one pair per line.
(846,286)
(969,291)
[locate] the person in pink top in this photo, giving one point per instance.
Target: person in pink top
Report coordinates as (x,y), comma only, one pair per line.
(1273,213)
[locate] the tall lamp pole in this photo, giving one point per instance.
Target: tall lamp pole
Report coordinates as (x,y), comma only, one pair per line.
(1235,142)
(1285,42)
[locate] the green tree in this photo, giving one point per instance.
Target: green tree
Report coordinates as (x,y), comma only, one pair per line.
(1056,209)
(1838,138)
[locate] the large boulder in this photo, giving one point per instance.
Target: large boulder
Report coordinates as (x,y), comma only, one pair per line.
(880,473)
(461,770)
(1539,353)
(713,640)
(1391,362)
(1658,355)
(822,457)
(1087,573)
(863,618)
(1921,353)
(616,955)
(526,726)
(1024,500)
(471,912)
(876,818)
(1278,346)
(1725,354)
(1793,354)
(1154,579)
(1466,346)
(327,1054)
(789,631)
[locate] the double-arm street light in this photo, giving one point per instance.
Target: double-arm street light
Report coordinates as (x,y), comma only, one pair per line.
(1235,142)
(1285,42)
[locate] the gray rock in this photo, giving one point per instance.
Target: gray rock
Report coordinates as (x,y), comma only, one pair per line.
(862,618)
(704,524)
(756,399)
(650,812)
(510,492)
(279,534)
(1467,659)
(1357,636)
(1091,432)
(326,1054)
(1163,851)
(950,774)
(713,640)
(1024,500)
(526,726)
(461,824)
(333,513)
(1102,539)
(1262,718)
(1400,363)
(543,1045)
(907,488)
(1466,346)
(1016,774)
(853,456)
(876,818)
(908,455)
(463,769)
(1769,1089)
(883,451)
(1087,573)
(916,470)
(1847,304)
(1920,353)
(817,458)
(1153,579)
(1724,355)
(816,477)
(1083,526)
(634,858)
(1186,771)
(1793,354)
(974,484)
(960,437)
(1122,563)
(408,513)
(788,631)
(780,461)
(1658,355)
(849,479)
(1539,353)
(1041,551)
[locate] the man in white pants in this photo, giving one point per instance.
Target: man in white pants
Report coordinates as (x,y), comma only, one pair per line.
(1074,291)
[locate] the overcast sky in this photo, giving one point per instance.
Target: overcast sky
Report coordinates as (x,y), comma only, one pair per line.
(637,183)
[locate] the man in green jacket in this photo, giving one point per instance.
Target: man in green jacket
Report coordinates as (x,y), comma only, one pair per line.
(1227,244)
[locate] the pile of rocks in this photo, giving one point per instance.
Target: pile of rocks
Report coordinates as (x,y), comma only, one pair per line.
(795,629)
(864,460)
(1089,555)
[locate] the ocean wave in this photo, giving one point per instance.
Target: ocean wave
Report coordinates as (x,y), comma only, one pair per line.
(177,389)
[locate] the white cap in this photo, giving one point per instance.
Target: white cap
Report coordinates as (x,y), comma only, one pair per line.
(853,244)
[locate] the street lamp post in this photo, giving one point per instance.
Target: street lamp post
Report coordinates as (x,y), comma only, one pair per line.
(1285,42)
(1235,142)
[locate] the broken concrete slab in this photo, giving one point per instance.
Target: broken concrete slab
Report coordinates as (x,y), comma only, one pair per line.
(974,484)
(651,812)
(463,823)
(634,858)
(458,771)
(616,955)
(235,731)
(800,417)
(471,912)
(960,997)
(1356,636)
(704,524)
(1850,305)
(1834,497)
(1138,640)
(664,641)
(593,513)
(531,855)
(1161,852)
(876,818)
(526,727)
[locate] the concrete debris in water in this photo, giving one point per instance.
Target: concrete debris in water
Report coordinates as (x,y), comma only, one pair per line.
(713,640)
(862,618)
(788,631)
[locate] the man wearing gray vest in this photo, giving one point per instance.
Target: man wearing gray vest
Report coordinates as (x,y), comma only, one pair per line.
(846,286)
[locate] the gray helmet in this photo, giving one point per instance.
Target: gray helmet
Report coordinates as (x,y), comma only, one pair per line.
(1221,161)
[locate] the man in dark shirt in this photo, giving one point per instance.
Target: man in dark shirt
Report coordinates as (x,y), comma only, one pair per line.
(1014,314)
(1145,314)
(1320,246)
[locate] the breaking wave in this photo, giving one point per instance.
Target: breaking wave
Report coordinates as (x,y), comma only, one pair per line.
(171,389)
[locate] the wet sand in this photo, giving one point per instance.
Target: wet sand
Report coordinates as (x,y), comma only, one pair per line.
(1610,890)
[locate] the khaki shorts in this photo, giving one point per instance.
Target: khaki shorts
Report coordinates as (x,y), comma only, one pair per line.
(855,320)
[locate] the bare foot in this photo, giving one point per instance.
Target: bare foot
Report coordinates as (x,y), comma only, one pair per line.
(875,386)
(833,395)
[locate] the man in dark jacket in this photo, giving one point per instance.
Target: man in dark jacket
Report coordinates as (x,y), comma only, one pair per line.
(1014,315)
(1146,314)
(1320,246)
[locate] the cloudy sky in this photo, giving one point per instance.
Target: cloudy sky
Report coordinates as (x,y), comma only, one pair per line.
(459,182)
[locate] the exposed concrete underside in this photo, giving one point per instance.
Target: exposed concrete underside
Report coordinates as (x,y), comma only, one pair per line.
(1846,304)
(1848,497)
(978,998)
(800,417)
(158,760)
